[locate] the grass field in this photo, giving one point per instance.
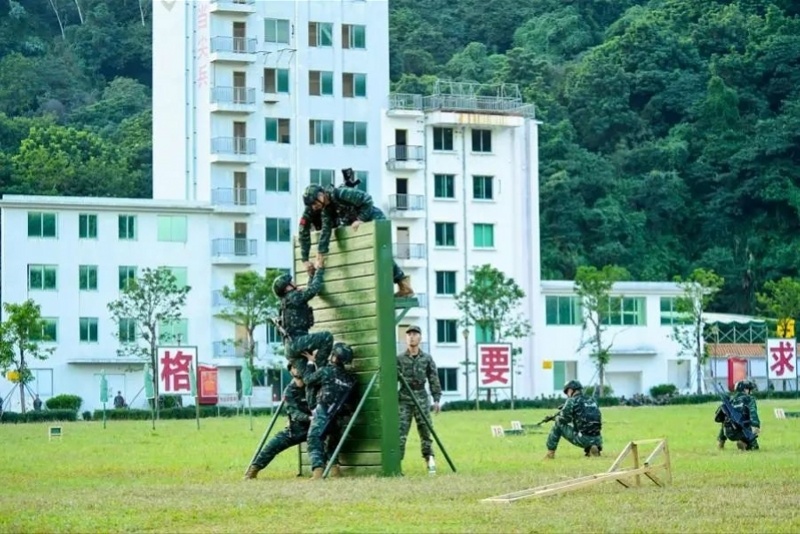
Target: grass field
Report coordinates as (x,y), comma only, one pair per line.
(129,478)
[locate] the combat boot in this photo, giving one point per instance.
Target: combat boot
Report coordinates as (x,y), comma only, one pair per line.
(550,455)
(594,451)
(252,472)
(317,473)
(404,288)
(335,471)
(741,445)
(720,444)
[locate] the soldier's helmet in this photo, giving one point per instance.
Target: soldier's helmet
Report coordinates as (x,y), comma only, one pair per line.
(311,193)
(573,385)
(343,353)
(280,284)
(742,385)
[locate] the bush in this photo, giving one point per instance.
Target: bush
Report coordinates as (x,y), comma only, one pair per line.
(87,415)
(608,391)
(64,402)
(187,412)
(38,417)
(663,390)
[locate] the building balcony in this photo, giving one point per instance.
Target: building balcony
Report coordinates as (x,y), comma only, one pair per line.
(233,99)
(232,6)
(229,349)
(409,255)
(406,206)
(233,150)
(233,200)
(234,251)
(405,158)
(405,105)
(401,345)
(218,302)
(233,49)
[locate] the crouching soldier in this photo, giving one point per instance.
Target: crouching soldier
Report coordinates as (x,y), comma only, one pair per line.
(744,403)
(579,422)
(295,433)
(332,408)
(297,318)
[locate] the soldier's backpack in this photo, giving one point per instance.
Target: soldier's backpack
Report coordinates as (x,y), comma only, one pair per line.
(591,422)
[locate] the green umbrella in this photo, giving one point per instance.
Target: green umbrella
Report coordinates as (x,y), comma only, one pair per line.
(247,381)
(148,382)
(103,387)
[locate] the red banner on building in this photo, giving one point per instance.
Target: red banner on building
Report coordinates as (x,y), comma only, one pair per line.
(494,365)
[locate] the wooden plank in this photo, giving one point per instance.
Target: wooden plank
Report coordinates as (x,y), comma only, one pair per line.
(345,313)
(344,272)
(367,324)
(340,234)
(360,458)
(345,286)
(339,260)
(340,300)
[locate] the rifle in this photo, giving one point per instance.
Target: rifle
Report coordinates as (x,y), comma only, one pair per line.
(548,418)
(334,409)
(733,415)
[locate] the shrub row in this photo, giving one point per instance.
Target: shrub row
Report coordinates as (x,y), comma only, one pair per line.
(187,412)
(64,402)
(38,417)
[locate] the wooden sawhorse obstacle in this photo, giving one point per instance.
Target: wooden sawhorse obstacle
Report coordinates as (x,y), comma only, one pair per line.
(639,469)
(357,305)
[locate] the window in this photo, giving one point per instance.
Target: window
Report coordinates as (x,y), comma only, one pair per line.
(483,235)
(176,331)
(41,382)
(355,133)
(273,336)
(87,277)
(445,282)
(49,333)
(482,188)
(87,226)
(127,274)
(41,224)
(276,179)
(563,372)
(127,330)
(563,310)
(42,277)
(320,83)
(276,81)
(354,36)
(320,132)
(277,130)
(276,31)
(444,186)
(446,330)
(445,234)
(448,378)
(484,333)
(322,177)
(364,177)
(172,228)
(127,226)
(625,311)
(354,85)
(481,140)
(88,329)
(278,230)
(443,139)
(320,34)
(671,314)
(181,275)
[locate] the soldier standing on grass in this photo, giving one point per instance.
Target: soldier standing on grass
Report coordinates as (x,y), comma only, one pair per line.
(745,404)
(417,367)
(295,433)
(579,422)
(352,207)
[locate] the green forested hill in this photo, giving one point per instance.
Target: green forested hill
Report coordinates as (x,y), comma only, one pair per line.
(670,136)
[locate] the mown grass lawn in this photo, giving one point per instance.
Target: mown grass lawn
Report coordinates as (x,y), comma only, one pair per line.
(129,478)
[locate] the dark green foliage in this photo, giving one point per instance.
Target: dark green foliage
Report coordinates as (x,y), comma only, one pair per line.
(663,389)
(87,415)
(64,402)
(38,417)
(607,391)
(187,412)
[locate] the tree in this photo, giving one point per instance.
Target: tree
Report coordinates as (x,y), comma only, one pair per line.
(593,287)
(146,303)
(251,303)
(698,289)
(781,300)
(20,335)
(489,302)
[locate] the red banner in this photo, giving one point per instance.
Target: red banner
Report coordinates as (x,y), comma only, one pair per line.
(494,365)
(207,378)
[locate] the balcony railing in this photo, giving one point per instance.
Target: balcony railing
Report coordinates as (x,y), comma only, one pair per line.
(406,153)
(407,202)
(405,101)
(218,301)
(239,2)
(401,346)
(229,349)
(410,251)
(233,196)
(233,145)
(238,246)
(233,45)
(233,95)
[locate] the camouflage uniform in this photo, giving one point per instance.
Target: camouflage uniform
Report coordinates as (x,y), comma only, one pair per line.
(298,318)
(416,370)
(746,405)
(347,205)
(571,424)
(332,381)
(295,432)
(312,220)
